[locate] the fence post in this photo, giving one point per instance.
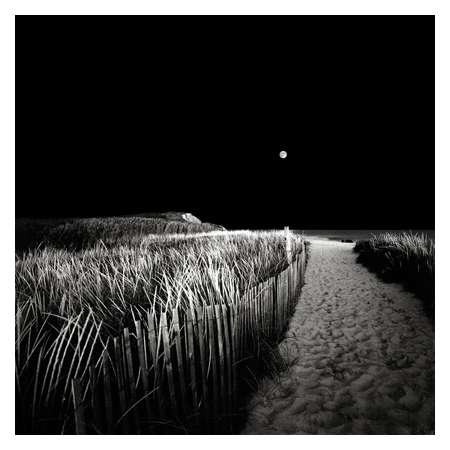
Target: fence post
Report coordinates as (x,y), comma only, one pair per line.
(288,245)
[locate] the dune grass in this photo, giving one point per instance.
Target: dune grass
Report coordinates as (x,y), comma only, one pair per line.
(71,303)
(407,257)
(77,234)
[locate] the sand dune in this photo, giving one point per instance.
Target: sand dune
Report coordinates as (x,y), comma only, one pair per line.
(360,353)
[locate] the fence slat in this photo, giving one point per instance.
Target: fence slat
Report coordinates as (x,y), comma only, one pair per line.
(168,363)
(181,377)
(283,299)
(288,245)
(190,317)
(222,387)
(153,343)
(226,317)
(107,392)
(262,303)
(80,424)
(254,315)
(235,337)
(152,338)
(129,377)
(201,325)
(241,327)
(241,322)
(94,400)
(121,383)
(257,311)
(212,358)
(140,340)
(278,299)
(267,307)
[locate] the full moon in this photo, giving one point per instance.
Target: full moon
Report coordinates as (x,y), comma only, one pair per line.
(283,154)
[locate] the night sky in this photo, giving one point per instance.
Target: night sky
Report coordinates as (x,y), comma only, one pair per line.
(122,115)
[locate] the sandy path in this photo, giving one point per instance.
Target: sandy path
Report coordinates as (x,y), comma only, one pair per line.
(361,357)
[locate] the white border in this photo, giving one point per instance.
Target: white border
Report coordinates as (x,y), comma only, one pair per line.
(241,7)
(7,140)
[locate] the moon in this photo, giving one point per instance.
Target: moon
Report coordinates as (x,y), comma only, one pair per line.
(283,154)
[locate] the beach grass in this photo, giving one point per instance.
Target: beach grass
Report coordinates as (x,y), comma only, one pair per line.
(79,233)
(75,296)
(402,257)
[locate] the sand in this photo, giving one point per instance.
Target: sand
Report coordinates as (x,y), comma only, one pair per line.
(360,354)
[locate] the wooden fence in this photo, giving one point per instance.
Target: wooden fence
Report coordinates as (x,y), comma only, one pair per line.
(181,371)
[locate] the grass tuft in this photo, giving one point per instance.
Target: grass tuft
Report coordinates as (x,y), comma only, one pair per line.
(407,258)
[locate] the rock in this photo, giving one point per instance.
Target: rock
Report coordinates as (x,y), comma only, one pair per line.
(363,382)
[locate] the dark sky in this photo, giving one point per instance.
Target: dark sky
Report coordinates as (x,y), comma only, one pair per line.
(120,115)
